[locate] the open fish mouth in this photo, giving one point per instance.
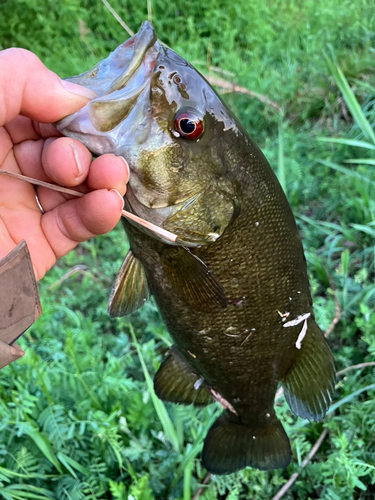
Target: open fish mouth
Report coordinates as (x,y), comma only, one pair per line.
(120,81)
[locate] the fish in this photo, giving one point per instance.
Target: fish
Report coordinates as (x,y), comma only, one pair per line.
(233,289)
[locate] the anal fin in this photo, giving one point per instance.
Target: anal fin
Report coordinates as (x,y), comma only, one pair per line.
(130,290)
(177,382)
(309,384)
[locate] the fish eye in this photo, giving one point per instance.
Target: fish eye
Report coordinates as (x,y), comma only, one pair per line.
(188,124)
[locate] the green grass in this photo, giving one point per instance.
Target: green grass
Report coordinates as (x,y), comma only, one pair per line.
(78,417)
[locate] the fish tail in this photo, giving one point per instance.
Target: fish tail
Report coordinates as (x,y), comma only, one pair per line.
(231,446)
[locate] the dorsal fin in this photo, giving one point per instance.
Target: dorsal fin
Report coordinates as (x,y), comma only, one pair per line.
(177,382)
(129,291)
(192,280)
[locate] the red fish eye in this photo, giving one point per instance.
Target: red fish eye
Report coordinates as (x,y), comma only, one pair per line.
(188,125)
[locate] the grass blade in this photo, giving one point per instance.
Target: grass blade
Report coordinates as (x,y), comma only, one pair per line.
(159,406)
(280,162)
(348,142)
(347,171)
(351,101)
(187,478)
(45,448)
(361,161)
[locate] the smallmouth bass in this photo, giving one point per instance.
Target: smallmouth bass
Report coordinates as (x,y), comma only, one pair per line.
(233,289)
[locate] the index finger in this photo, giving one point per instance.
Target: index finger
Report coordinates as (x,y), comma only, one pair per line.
(28,88)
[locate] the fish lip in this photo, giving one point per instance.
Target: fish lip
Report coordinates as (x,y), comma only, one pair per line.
(123,76)
(100,79)
(143,40)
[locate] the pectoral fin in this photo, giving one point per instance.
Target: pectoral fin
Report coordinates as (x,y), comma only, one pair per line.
(177,382)
(192,280)
(204,218)
(129,291)
(309,384)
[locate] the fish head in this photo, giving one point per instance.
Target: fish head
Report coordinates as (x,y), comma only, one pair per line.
(159,113)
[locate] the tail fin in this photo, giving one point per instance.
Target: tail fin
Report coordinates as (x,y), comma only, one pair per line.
(231,446)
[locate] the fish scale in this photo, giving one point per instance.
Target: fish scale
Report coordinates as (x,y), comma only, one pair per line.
(233,288)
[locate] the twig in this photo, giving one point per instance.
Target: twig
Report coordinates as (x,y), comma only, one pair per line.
(355,367)
(204,481)
(118,18)
(222,71)
(337,307)
(81,269)
(316,446)
(128,215)
(232,87)
(37,182)
(294,476)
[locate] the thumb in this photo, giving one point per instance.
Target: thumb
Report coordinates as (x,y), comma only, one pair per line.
(28,88)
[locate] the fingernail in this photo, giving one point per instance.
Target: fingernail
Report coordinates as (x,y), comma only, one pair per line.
(118,194)
(76,157)
(126,165)
(16,352)
(74,88)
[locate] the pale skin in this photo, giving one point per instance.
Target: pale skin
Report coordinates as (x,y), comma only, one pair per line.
(31,99)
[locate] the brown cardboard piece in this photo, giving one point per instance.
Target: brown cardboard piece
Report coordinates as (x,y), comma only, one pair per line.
(19,301)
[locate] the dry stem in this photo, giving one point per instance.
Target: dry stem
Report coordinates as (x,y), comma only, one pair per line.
(232,87)
(80,269)
(204,481)
(294,476)
(118,18)
(355,367)
(337,307)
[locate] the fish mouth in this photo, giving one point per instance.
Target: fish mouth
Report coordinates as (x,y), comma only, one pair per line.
(120,81)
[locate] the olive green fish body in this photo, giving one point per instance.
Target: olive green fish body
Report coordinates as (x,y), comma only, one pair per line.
(233,289)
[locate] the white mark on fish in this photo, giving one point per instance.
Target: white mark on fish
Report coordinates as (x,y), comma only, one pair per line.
(257,224)
(213,236)
(283,315)
(297,321)
(268,415)
(198,383)
(175,133)
(222,402)
(191,354)
(250,334)
(301,336)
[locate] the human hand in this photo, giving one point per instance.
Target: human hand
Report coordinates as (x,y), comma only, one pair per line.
(29,91)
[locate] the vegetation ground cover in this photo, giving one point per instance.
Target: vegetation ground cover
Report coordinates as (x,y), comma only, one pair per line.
(77,417)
